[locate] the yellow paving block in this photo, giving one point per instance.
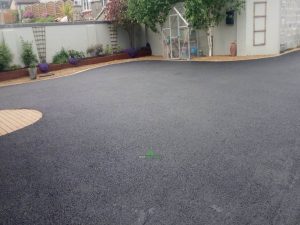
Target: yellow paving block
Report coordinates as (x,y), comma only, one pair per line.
(15,119)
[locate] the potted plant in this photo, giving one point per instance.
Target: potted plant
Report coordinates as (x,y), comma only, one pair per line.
(29,58)
(32,71)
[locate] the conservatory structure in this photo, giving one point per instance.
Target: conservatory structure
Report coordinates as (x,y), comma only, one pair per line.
(180,41)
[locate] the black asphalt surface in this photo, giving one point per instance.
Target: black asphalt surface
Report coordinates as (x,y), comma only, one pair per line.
(226,139)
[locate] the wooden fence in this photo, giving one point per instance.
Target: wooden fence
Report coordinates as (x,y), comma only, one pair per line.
(8,16)
(50,9)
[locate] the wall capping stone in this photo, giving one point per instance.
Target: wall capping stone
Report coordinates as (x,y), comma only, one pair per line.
(20,25)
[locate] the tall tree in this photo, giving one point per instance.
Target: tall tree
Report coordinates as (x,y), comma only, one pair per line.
(117,12)
(67,10)
(150,12)
(207,14)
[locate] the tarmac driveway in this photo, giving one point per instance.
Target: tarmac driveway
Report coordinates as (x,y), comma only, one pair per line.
(157,143)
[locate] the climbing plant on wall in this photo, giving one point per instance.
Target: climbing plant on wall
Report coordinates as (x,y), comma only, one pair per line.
(117,12)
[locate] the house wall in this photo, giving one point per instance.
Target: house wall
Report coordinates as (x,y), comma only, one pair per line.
(242,32)
(290,24)
(12,38)
(155,40)
(272,45)
(224,35)
(13,5)
(77,36)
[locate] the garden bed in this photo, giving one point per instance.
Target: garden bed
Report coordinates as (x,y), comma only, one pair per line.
(19,73)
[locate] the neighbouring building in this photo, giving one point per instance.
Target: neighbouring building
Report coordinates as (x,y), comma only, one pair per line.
(4,4)
(263,27)
(20,5)
(87,4)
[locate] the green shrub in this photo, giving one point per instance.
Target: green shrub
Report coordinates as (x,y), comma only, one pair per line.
(5,56)
(118,49)
(48,19)
(28,57)
(14,67)
(61,57)
(76,54)
(108,50)
(95,50)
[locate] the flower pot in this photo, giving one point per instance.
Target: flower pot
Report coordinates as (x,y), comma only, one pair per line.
(233,49)
(32,73)
(44,67)
(73,61)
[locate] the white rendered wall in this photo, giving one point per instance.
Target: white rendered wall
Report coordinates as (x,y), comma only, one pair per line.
(241,33)
(12,38)
(272,45)
(224,35)
(77,37)
(123,38)
(155,40)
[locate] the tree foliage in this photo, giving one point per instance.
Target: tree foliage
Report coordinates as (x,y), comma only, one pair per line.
(5,56)
(117,12)
(28,56)
(204,14)
(67,10)
(149,12)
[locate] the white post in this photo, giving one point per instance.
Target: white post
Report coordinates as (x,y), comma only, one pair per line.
(210,41)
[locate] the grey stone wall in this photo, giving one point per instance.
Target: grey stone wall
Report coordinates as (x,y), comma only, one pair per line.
(290,24)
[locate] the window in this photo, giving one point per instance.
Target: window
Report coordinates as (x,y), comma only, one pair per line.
(104,2)
(259,23)
(86,4)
